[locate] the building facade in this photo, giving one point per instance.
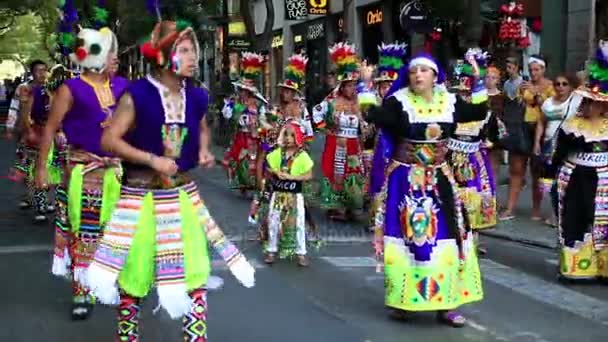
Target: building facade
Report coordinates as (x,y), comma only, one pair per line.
(367,23)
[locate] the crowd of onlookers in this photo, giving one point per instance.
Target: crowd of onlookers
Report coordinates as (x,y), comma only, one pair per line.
(532,109)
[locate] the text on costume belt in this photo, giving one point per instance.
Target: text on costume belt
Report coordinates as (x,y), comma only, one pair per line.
(598,159)
(347,132)
(463,146)
(281,185)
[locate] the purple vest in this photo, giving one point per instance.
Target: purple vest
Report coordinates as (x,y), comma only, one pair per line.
(82,123)
(150,118)
(40,106)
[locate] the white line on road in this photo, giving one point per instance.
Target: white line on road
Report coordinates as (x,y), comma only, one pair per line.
(543,291)
(553,262)
(25,249)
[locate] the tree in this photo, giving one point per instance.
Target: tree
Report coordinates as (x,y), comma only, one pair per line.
(23,41)
(263,42)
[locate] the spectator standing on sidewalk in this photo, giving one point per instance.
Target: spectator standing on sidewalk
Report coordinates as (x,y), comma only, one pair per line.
(530,97)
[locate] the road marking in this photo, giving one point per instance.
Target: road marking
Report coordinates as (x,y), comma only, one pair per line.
(25,249)
(350,262)
(553,262)
(546,292)
(220,265)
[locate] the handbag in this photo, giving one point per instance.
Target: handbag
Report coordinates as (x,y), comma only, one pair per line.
(518,138)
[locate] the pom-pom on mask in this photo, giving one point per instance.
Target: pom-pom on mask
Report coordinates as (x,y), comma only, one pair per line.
(93,48)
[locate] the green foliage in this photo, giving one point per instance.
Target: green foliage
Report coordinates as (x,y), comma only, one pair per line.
(24,40)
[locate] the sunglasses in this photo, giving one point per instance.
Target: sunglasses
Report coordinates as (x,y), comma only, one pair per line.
(562,84)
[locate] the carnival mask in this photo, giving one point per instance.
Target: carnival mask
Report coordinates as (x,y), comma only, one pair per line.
(93,49)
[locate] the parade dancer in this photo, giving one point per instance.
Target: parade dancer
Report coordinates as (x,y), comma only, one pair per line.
(390,62)
(580,163)
(240,159)
(160,230)
(14,129)
(430,262)
(290,107)
(34,109)
(289,166)
(468,157)
(83,107)
(341,188)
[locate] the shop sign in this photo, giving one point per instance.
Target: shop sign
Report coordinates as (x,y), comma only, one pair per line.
(298,38)
(315,31)
(374,17)
(236,43)
(277,41)
(236,28)
(295,10)
(318,7)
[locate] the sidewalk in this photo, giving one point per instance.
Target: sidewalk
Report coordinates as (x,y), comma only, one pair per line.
(521,229)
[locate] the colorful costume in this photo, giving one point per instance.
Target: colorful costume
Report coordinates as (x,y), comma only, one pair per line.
(270,125)
(91,184)
(429,257)
(391,61)
(160,231)
(470,159)
(286,213)
(581,162)
(342,184)
(240,159)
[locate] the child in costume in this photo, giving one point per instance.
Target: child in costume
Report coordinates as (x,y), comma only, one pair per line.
(82,107)
(161,228)
(289,165)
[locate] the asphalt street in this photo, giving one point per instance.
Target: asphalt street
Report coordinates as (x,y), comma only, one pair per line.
(338,299)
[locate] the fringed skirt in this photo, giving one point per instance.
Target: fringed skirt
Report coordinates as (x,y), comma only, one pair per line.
(475,179)
(85,201)
(155,238)
(343,175)
(430,262)
(583,221)
(287,219)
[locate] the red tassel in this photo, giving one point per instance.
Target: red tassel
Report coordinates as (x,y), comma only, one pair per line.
(148,51)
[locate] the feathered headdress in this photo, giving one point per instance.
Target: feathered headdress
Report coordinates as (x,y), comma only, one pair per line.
(295,72)
(252,68)
(390,61)
(346,60)
(100,15)
(463,71)
(65,31)
(597,77)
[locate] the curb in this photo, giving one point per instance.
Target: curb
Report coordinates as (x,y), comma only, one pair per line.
(522,241)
